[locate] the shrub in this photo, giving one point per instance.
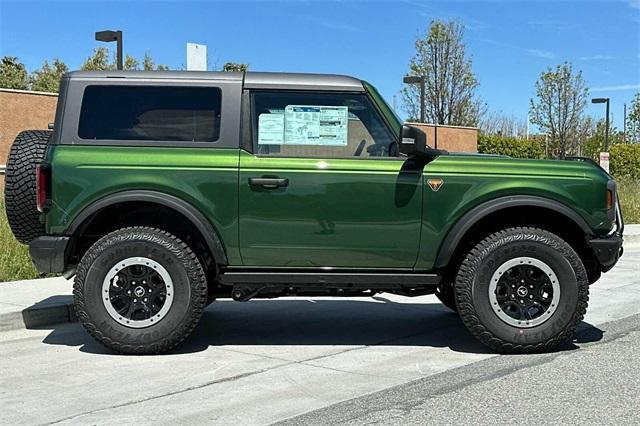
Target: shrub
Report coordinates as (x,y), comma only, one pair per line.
(517,148)
(624,160)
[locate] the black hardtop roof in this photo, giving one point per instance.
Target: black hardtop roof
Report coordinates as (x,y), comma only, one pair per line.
(252,80)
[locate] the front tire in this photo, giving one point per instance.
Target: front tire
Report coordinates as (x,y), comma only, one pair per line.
(140,290)
(522,290)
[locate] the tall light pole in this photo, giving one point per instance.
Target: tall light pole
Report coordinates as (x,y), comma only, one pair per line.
(624,125)
(606,129)
(417,79)
(109,36)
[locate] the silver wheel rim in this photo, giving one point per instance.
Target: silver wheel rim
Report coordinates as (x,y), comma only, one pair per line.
(525,292)
(120,283)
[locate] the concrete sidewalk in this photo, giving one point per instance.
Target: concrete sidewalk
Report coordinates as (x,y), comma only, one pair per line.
(47,301)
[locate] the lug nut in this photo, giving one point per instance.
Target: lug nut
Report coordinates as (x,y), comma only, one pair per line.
(145,299)
(135,300)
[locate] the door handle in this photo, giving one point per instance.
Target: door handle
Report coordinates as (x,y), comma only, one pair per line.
(268,182)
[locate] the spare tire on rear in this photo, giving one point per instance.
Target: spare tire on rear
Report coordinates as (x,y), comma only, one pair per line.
(27,151)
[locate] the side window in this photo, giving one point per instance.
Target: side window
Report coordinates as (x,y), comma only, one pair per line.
(318,125)
(150,113)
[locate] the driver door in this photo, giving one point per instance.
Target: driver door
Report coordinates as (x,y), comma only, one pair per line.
(321,188)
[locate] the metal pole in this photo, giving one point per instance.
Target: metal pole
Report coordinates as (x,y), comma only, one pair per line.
(119,49)
(606,130)
(624,125)
(422,89)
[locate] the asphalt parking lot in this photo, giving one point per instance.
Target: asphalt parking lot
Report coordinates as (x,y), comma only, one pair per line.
(274,360)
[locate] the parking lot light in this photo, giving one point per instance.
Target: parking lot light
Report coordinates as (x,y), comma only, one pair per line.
(109,36)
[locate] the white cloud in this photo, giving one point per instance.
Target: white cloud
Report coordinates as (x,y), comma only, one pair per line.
(539,53)
(596,58)
(616,88)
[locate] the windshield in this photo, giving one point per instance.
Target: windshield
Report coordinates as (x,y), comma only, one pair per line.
(389,114)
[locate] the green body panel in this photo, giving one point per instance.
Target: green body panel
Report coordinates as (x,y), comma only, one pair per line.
(334,213)
(207,178)
(343,213)
(470,180)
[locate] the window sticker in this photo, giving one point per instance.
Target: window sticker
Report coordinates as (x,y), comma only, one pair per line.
(271,129)
(316,125)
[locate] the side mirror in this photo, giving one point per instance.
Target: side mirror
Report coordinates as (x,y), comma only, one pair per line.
(413,141)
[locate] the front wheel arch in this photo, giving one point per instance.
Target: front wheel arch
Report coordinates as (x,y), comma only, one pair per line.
(499,213)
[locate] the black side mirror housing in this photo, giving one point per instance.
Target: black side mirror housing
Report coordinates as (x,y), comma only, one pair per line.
(413,141)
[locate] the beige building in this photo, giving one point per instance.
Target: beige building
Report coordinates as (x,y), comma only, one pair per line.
(450,138)
(22,110)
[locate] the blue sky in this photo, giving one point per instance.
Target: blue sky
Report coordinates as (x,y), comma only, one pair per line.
(510,42)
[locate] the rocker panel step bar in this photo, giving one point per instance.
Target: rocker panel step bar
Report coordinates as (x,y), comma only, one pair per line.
(347,279)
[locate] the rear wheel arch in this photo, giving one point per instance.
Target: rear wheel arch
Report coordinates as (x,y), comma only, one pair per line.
(89,219)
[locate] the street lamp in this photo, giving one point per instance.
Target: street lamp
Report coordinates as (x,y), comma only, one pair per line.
(606,129)
(417,79)
(109,36)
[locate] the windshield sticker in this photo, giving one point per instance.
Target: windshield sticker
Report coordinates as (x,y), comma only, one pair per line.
(271,129)
(316,125)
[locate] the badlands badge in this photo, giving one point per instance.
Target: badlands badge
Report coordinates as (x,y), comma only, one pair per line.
(435,184)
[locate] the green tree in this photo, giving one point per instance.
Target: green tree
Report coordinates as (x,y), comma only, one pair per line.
(148,64)
(47,78)
(99,61)
(13,74)
(235,66)
(561,97)
(130,63)
(633,120)
(594,144)
(450,84)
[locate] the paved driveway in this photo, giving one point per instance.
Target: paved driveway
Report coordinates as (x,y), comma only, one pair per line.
(261,361)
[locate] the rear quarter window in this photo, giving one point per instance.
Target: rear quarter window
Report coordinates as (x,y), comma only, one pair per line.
(150,113)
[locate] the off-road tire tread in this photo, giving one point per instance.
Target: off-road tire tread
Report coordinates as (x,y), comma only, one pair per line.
(469,268)
(27,151)
(195,272)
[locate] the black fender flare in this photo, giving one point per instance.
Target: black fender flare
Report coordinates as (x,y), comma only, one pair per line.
(192,214)
(470,218)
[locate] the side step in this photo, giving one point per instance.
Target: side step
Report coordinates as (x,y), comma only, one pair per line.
(367,280)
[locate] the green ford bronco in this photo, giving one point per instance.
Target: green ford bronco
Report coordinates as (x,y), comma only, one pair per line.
(162,191)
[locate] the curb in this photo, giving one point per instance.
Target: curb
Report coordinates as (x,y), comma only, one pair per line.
(37,317)
(632,234)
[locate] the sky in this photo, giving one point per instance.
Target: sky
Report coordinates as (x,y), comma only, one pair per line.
(509,42)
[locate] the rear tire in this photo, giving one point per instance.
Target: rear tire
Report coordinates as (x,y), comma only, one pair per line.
(27,151)
(140,290)
(522,290)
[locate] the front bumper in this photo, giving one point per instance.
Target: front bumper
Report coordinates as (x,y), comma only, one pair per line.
(609,249)
(48,253)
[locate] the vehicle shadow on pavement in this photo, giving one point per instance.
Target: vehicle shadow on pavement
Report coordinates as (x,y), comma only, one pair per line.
(303,322)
